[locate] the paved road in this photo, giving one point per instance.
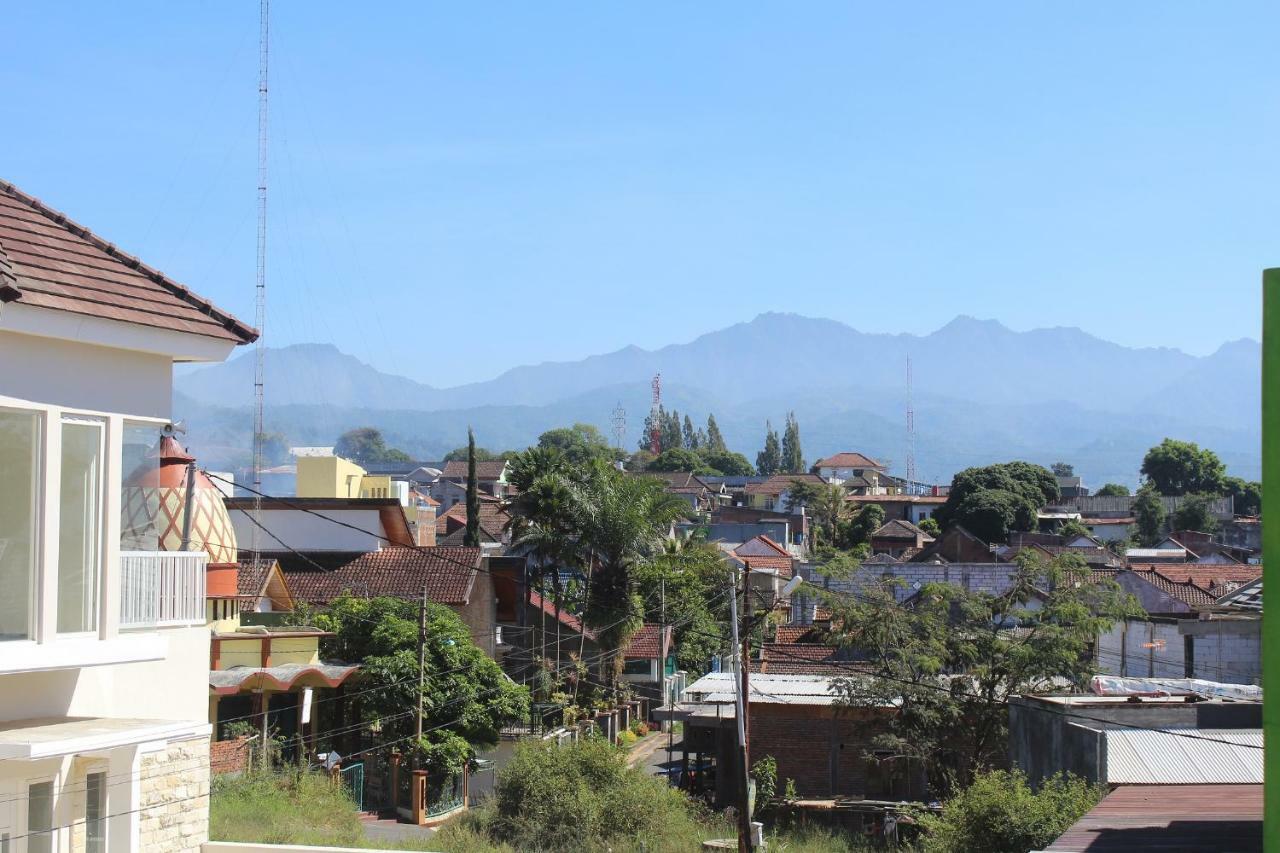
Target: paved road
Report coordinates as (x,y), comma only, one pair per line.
(655,760)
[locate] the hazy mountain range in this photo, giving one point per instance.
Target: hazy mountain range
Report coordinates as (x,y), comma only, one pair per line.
(981,393)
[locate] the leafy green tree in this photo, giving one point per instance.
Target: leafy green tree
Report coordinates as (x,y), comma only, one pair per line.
(1183,468)
(471,536)
(1000,813)
(1113,490)
(998,498)
(1247,496)
(688,576)
(1148,514)
(950,665)
(792,457)
(689,437)
(466,697)
(866,521)
(366,446)
(715,441)
(679,459)
(275,448)
(930,526)
(826,505)
(1071,529)
(1063,469)
(769,460)
(579,443)
(726,462)
(1195,512)
(459,454)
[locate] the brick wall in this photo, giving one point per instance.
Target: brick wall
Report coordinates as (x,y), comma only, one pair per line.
(174,798)
(229,756)
(824,750)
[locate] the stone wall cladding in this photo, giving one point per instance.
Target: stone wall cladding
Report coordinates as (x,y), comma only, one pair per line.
(174,798)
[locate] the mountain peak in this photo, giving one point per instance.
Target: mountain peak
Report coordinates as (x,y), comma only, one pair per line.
(966,324)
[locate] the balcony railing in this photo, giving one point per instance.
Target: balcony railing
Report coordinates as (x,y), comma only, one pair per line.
(162,589)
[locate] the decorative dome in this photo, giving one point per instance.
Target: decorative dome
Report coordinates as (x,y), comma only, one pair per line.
(154,504)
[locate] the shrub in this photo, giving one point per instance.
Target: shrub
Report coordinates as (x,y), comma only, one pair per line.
(295,807)
(626,738)
(1001,813)
(551,798)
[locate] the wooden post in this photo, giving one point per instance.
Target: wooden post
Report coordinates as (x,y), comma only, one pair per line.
(395,781)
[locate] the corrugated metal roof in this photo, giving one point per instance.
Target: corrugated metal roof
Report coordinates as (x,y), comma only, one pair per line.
(767,688)
(1136,757)
(1136,818)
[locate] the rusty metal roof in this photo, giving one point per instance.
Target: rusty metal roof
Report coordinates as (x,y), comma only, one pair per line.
(1137,818)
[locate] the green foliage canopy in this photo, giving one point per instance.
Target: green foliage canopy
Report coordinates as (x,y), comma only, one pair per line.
(1183,467)
(366,446)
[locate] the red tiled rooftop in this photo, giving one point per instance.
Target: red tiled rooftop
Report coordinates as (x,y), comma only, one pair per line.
(491,469)
(779,483)
(49,261)
(569,620)
(447,574)
(646,643)
(847,460)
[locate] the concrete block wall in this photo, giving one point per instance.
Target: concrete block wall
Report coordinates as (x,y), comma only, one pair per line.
(174,798)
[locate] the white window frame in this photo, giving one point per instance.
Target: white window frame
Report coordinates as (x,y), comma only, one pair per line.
(100,575)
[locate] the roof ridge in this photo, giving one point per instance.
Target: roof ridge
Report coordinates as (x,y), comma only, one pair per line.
(228,321)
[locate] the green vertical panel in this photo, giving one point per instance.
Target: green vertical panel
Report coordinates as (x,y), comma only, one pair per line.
(1271,548)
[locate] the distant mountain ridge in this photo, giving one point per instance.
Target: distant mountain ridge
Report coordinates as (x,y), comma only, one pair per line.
(974,380)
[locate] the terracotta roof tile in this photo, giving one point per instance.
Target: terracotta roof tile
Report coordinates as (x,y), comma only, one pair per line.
(569,620)
(49,261)
(848,460)
(646,643)
(490,469)
(397,572)
(779,483)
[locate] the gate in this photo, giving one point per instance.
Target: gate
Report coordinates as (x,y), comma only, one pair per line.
(353,780)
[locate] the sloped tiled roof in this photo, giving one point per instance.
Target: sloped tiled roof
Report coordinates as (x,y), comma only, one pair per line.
(447,574)
(1187,592)
(848,460)
(569,620)
(760,546)
(49,261)
(796,634)
(493,519)
(784,566)
(490,469)
(779,483)
(646,643)
(901,529)
(1208,576)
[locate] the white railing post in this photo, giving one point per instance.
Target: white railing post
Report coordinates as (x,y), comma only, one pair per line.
(159,589)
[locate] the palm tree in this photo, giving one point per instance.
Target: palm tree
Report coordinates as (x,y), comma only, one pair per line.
(626,520)
(829,507)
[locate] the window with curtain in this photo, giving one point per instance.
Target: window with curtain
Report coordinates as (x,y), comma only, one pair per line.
(80,526)
(19,498)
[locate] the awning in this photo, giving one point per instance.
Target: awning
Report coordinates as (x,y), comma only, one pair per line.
(278,679)
(49,737)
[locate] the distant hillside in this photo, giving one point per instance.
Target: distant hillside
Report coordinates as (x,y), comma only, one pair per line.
(982,393)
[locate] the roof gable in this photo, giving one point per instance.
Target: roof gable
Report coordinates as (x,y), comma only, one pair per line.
(49,261)
(848,459)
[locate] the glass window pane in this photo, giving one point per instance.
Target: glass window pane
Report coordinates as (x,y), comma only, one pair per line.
(40,818)
(19,447)
(95,811)
(139,498)
(79,526)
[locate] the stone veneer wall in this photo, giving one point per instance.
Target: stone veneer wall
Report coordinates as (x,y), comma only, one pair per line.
(174,798)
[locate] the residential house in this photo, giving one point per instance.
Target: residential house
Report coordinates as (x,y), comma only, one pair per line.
(103,643)
(352,525)
(451,487)
(774,494)
(1072,487)
(649,657)
(701,496)
(820,743)
(912,508)
(495,521)
(899,539)
(844,467)
(955,545)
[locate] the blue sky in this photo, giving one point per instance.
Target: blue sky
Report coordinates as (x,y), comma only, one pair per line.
(459,188)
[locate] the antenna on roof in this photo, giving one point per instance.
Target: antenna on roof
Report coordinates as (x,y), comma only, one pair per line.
(260,294)
(911,435)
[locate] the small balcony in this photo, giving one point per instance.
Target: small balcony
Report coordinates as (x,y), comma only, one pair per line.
(161,589)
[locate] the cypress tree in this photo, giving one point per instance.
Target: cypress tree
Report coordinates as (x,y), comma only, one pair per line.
(715,441)
(672,435)
(769,460)
(472,535)
(792,458)
(689,436)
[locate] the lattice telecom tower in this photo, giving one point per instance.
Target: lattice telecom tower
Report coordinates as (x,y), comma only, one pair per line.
(260,290)
(655,422)
(911,435)
(619,425)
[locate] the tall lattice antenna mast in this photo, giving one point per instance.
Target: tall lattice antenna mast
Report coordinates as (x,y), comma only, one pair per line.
(619,426)
(260,295)
(655,422)
(911,435)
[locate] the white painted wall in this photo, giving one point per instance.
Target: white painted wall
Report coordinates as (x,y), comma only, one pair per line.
(307,532)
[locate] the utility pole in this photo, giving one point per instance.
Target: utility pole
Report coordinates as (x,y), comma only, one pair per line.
(741,702)
(422,664)
(662,646)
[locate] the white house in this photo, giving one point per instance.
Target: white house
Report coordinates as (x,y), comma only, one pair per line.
(104,652)
(843,467)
